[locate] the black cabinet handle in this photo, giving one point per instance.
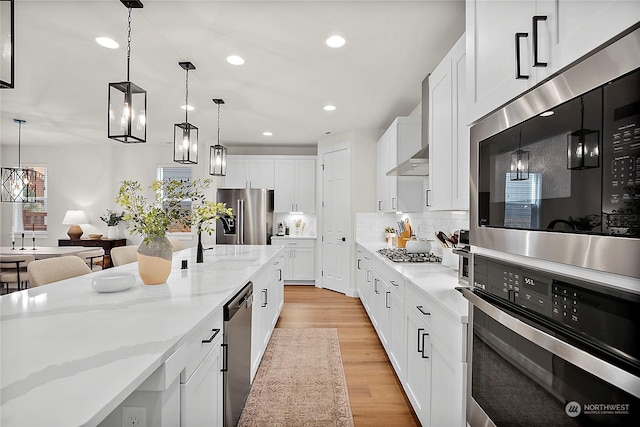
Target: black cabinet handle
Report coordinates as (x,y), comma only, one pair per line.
(215,333)
(420,309)
(519,36)
(359,264)
(536,19)
(423,347)
(420,330)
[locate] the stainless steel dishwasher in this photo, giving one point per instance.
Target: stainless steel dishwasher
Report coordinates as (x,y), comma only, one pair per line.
(237,361)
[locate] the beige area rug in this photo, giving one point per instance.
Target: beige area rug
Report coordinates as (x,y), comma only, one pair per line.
(300,382)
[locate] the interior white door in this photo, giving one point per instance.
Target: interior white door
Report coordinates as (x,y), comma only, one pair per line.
(336,217)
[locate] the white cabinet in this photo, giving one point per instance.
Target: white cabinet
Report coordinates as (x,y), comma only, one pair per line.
(295,185)
(448,134)
(268,299)
(513,45)
(249,172)
(201,395)
(299,258)
(418,371)
(397,144)
(364,276)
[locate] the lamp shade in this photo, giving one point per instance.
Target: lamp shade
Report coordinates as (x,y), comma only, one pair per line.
(218,160)
(75,216)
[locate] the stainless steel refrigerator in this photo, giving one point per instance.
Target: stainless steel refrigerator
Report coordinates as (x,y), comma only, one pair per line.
(252,221)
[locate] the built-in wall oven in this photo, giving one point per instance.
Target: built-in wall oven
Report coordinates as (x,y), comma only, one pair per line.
(555,175)
(548,350)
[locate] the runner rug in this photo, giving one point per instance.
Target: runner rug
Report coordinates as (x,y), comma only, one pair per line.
(300,382)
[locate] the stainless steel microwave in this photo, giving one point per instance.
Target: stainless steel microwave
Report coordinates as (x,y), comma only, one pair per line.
(555,174)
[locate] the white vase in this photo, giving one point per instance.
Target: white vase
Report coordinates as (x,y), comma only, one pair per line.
(112,232)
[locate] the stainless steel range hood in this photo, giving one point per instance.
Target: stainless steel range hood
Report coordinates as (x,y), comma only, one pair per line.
(418,164)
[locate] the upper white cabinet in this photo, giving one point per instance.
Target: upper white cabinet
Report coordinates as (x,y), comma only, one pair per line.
(249,172)
(399,142)
(295,185)
(448,133)
(514,45)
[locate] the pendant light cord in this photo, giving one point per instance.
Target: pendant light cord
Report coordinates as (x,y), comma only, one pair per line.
(19,138)
(218,124)
(186,97)
(128,43)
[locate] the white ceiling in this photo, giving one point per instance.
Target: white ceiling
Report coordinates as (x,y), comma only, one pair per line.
(62,75)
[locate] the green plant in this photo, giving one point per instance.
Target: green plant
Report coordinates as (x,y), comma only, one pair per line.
(112,218)
(152,218)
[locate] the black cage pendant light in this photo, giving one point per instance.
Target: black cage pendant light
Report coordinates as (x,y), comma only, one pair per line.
(185,135)
(7,45)
(582,146)
(218,153)
(128,101)
(519,163)
(18,184)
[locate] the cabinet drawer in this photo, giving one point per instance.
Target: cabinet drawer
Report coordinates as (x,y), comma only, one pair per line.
(288,242)
(445,331)
(394,279)
(200,342)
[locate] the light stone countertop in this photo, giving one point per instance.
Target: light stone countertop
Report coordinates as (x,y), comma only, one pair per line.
(70,355)
(294,237)
(434,280)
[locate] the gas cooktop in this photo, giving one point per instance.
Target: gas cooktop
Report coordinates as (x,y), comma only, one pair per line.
(401,255)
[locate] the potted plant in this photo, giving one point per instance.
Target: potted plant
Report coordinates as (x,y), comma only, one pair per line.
(151,219)
(112,219)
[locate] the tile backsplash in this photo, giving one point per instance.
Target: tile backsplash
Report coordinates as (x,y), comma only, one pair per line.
(370,226)
(308,220)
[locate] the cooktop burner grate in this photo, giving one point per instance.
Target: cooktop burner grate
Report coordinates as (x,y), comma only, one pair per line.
(401,255)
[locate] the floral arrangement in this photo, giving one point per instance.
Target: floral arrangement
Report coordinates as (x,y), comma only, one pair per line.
(389,230)
(112,218)
(152,218)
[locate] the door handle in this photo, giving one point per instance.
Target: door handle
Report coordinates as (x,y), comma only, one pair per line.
(424,347)
(386,300)
(358,267)
(264,303)
(519,75)
(535,21)
(368,275)
(427,198)
(421,310)
(380,205)
(394,204)
(375,286)
(342,239)
(215,334)
(420,330)
(225,357)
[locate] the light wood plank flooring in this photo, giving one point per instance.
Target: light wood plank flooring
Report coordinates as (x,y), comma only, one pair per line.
(376,395)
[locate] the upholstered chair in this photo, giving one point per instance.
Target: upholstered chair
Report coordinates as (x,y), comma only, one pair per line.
(121,255)
(13,271)
(44,271)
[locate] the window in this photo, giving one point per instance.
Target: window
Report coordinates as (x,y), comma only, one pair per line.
(33,216)
(182,174)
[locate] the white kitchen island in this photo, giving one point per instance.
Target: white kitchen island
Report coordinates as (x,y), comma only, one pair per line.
(70,355)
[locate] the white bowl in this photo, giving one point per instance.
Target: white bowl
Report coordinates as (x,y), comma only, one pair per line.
(113,282)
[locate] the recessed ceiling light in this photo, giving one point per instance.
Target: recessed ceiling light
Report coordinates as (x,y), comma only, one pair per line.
(329,107)
(335,41)
(188,107)
(107,42)
(235,60)
(267,133)
(547,113)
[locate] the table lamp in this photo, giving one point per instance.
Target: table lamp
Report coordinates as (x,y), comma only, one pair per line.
(73,218)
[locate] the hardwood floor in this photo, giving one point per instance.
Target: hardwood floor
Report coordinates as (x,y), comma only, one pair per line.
(376,395)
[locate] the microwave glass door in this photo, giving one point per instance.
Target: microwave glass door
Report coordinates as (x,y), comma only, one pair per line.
(575,169)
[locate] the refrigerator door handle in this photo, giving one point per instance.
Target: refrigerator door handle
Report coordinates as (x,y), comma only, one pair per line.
(240,223)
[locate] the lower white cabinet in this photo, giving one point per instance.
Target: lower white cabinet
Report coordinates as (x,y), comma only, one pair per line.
(418,370)
(201,396)
(299,258)
(268,299)
(425,345)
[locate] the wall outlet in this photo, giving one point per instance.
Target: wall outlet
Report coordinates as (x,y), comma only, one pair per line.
(134,416)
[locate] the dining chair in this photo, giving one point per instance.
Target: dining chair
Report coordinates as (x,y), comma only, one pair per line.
(44,271)
(121,255)
(94,258)
(13,270)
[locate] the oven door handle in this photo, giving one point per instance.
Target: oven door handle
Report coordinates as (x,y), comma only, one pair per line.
(580,358)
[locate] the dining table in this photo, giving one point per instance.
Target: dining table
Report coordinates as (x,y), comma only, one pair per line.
(41,252)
